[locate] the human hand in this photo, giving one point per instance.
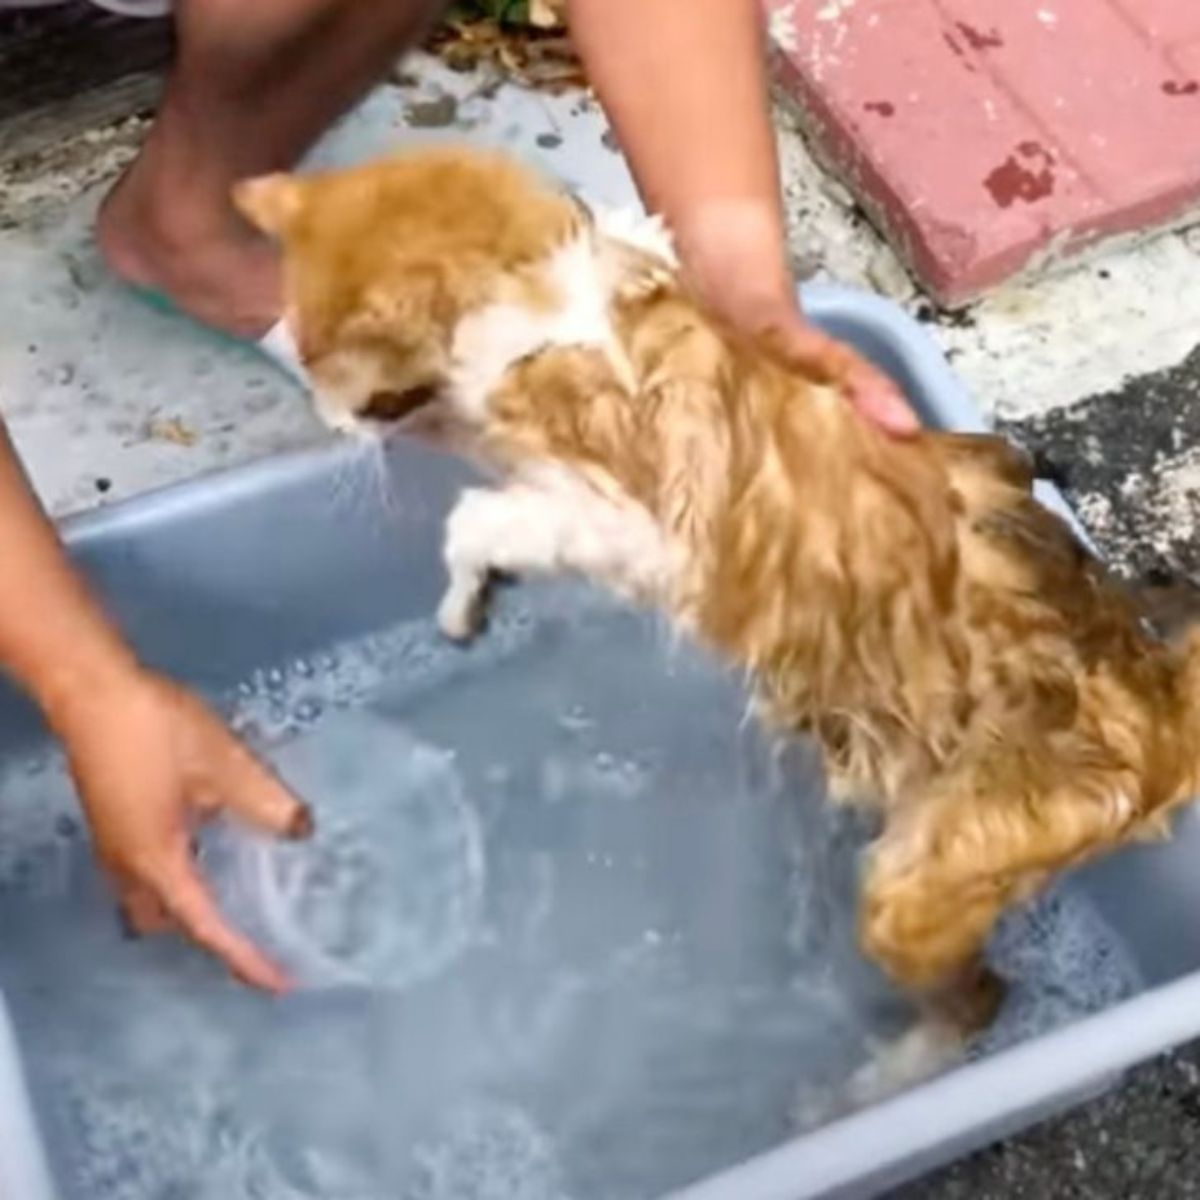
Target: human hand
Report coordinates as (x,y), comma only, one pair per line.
(732,253)
(151,762)
(864,385)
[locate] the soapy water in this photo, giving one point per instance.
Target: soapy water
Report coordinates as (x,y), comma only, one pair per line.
(400,840)
(568,930)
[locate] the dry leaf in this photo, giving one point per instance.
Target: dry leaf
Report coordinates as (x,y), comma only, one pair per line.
(547,14)
(530,57)
(171,430)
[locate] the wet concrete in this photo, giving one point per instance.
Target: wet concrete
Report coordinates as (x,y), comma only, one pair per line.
(1141,1142)
(1129,461)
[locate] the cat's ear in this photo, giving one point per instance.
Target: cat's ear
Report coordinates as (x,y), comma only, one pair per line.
(269,202)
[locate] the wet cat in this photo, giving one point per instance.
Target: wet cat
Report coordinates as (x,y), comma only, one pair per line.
(966,666)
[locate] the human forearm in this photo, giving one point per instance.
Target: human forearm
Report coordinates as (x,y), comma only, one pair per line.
(54,638)
(684,84)
(149,759)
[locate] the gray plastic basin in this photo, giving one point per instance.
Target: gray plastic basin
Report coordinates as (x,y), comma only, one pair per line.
(225,576)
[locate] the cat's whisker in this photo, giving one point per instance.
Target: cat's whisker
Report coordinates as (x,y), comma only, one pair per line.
(385,489)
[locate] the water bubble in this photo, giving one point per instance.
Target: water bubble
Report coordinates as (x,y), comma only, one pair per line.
(308,710)
(36,765)
(631,772)
(576,719)
(1062,961)
(488,1152)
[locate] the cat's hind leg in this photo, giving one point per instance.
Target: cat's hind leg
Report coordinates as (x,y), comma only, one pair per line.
(984,838)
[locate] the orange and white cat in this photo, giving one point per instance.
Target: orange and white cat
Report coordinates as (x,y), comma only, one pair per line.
(966,667)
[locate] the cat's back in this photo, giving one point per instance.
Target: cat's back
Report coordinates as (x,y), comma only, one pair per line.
(1057,639)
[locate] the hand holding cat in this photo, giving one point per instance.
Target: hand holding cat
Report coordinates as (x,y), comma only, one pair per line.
(866,387)
(732,252)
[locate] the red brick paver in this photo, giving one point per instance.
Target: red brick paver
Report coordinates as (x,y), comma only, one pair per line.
(984,132)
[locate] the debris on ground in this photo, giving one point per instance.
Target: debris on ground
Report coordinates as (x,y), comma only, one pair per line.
(170,429)
(540,58)
(541,14)
(439,113)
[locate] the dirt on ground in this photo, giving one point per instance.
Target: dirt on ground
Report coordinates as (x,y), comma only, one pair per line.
(539,58)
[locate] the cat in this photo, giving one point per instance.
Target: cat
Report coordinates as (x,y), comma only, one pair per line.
(966,666)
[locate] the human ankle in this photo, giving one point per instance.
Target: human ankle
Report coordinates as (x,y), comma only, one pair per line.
(194,249)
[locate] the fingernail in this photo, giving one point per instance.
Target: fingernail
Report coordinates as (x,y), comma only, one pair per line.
(301,825)
(902,420)
(891,411)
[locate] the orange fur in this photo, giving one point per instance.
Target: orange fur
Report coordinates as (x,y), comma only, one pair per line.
(965,666)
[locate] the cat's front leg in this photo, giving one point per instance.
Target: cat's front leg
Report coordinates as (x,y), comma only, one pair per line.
(515,530)
(526,528)
(472,528)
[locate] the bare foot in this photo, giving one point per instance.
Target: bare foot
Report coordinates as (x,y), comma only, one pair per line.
(189,244)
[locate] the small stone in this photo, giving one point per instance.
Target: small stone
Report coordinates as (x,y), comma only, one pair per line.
(888,275)
(807,265)
(432,114)
(837,192)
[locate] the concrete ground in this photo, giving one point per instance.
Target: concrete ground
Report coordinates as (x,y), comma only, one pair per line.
(1097,368)
(1138,1142)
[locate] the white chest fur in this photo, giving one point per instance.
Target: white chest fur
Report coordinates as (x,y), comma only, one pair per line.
(490,340)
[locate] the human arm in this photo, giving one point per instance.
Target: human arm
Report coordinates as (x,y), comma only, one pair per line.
(684,84)
(148,758)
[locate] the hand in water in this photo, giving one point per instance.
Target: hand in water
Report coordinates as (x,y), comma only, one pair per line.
(151,761)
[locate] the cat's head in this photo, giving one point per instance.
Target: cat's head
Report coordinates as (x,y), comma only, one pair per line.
(381,262)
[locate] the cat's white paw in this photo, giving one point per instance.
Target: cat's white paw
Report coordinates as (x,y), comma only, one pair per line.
(460,613)
(925,1050)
